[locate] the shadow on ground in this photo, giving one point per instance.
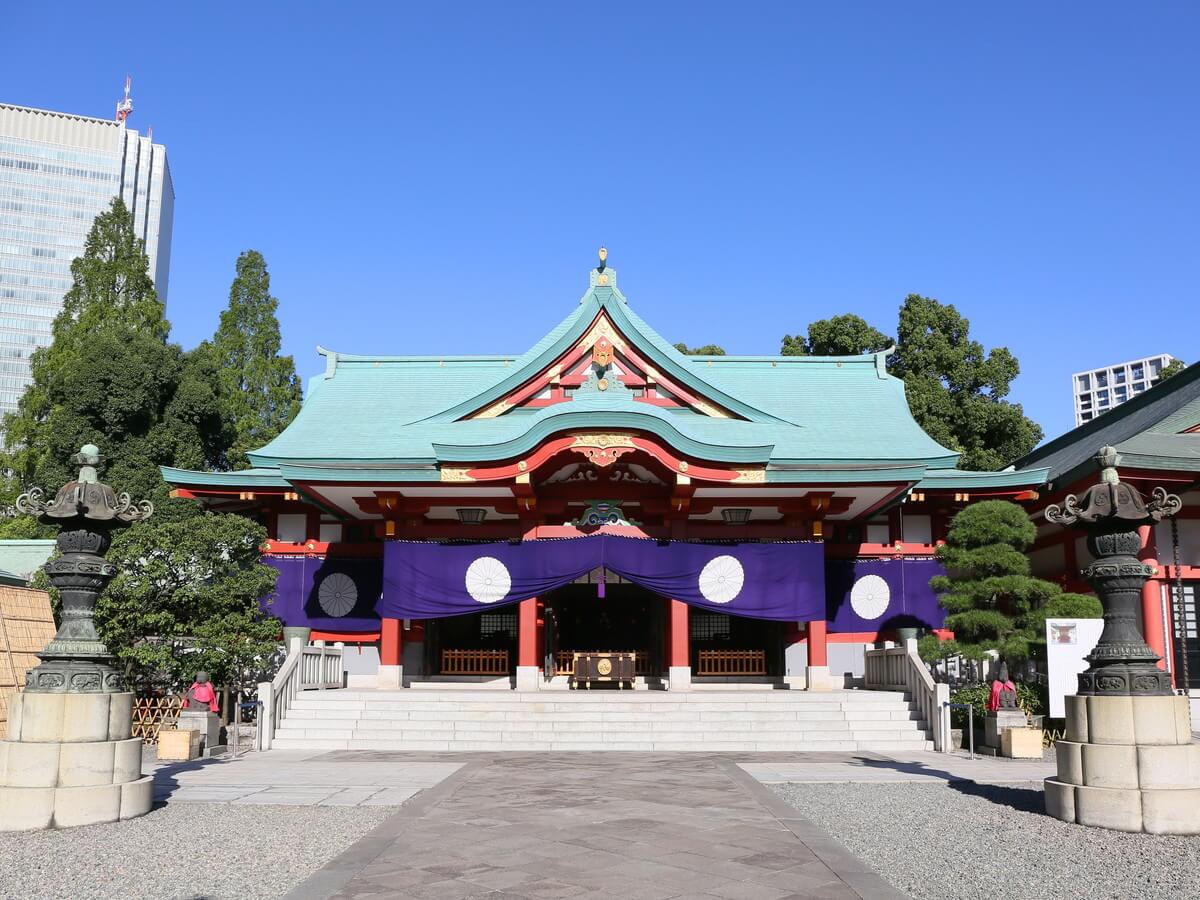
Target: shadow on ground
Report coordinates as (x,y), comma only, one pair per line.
(1019,798)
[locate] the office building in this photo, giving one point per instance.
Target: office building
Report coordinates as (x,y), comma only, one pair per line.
(1099,390)
(57,172)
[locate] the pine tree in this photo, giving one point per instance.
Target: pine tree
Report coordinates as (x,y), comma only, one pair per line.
(259,387)
(992,601)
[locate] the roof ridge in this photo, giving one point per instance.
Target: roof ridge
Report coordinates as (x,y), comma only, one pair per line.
(1160,391)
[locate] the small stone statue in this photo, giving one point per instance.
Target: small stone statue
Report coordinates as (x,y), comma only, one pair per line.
(1004,692)
(201,694)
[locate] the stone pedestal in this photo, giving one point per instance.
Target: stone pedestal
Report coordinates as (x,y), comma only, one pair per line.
(995,724)
(209,726)
(69,760)
(390,677)
(679,678)
(528,678)
(1128,763)
(816,678)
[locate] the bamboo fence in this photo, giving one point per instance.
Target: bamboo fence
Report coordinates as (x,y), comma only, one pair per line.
(26,626)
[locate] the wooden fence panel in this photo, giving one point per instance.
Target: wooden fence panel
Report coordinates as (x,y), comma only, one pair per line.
(732,662)
(474,662)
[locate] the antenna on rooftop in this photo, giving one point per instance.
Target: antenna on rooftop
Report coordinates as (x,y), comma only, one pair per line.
(125,106)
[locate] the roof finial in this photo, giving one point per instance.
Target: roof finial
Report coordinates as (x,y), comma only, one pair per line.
(603,259)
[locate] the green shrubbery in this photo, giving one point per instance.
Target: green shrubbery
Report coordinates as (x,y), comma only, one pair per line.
(1031,699)
(991,600)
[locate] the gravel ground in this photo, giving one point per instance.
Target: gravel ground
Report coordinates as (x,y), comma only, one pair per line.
(184,850)
(941,841)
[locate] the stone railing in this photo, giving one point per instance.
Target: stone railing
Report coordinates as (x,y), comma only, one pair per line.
(893,668)
(305,669)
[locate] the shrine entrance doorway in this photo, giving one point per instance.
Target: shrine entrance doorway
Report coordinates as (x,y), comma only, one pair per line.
(627,619)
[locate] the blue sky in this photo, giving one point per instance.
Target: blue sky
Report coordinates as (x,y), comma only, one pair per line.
(437,178)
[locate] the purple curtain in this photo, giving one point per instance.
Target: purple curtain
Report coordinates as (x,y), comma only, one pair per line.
(327,593)
(881,594)
(782,581)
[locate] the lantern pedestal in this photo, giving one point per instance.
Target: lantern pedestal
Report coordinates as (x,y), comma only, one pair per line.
(1128,764)
(69,760)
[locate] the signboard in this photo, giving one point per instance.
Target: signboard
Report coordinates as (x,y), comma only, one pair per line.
(1068,641)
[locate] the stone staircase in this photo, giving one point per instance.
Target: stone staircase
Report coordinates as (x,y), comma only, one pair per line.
(710,720)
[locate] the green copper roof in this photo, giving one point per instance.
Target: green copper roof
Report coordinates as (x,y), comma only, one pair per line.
(1144,430)
(23,558)
(958,480)
(804,418)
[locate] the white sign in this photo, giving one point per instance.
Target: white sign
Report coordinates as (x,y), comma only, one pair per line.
(1068,641)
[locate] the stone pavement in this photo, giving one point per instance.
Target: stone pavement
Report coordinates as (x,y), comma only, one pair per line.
(295,778)
(635,826)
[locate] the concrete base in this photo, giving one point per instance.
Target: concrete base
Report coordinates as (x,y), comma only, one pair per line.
(679,678)
(528,678)
(816,678)
(1128,764)
(391,677)
(70,761)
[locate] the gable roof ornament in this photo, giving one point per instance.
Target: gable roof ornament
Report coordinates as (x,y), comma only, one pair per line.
(602,275)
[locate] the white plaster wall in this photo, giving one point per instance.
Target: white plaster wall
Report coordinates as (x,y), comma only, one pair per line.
(364,661)
(795,659)
(848,659)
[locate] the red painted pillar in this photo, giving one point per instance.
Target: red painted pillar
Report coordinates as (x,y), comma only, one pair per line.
(527,642)
(1152,617)
(680,654)
(389,642)
(818,653)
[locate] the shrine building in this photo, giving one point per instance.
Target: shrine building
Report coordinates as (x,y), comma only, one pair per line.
(720,518)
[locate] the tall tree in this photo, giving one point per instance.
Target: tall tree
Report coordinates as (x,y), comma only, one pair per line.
(259,387)
(956,390)
(112,378)
(991,599)
(706,350)
(845,335)
(111,297)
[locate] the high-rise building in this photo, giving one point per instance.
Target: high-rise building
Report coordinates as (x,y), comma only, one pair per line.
(57,172)
(1099,390)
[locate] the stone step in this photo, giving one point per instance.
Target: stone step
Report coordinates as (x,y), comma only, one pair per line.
(614,721)
(450,733)
(591,746)
(566,706)
(510,696)
(488,720)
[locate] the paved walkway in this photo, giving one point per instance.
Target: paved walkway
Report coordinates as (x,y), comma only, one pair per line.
(635,826)
(296,778)
(579,825)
